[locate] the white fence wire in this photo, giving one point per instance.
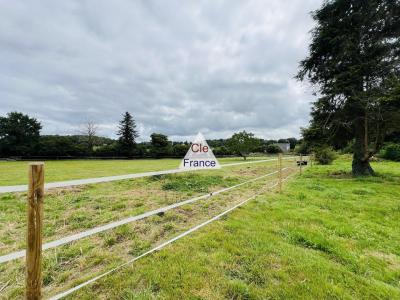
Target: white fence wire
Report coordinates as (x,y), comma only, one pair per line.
(60,184)
(183,234)
(87,233)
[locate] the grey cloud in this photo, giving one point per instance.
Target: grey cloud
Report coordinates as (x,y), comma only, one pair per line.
(178,67)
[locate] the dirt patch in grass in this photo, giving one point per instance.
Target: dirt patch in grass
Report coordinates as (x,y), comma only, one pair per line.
(65,190)
(248,171)
(195,183)
(340,174)
(393,261)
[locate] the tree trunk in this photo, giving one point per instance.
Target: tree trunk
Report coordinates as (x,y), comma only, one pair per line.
(360,165)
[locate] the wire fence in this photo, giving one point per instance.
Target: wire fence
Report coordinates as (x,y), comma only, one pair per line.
(186,215)
(69,183)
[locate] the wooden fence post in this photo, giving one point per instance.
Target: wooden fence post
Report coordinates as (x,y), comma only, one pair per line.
(280,172)
(34,231)
(301,163)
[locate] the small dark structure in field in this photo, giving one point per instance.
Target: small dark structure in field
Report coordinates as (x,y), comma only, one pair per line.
(302,163)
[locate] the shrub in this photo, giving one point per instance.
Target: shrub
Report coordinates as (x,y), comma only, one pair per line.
(302,148)
(349,148)
(273,148)
(325,155)
(391,151)
(180,149)
(106,150)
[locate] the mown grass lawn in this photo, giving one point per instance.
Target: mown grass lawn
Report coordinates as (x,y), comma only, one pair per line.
(13,173)
(328,236)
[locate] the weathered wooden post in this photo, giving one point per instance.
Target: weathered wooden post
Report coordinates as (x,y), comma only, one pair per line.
(280,172)
(301,163)
(34,231)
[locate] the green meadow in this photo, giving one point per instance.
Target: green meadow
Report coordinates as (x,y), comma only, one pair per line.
(75,209)
(326,236)
(15,172)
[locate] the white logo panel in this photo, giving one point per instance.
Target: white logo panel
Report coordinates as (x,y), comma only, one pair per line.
(199,156)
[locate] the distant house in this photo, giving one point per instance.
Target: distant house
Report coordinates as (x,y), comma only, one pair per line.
(285,147)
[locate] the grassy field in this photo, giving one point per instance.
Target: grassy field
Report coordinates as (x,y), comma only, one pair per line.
(327,236)
(71,210)
(13,173)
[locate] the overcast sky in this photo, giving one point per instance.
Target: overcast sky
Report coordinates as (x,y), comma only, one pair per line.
(179,67)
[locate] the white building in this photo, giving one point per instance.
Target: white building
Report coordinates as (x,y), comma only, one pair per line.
(285,147)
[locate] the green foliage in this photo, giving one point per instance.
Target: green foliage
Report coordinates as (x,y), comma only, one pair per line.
(293,142)
(353,61)
(222,151)
(106,150)
(179,149)
(193,182)
(19,134)
(13,173)
(127,134)
(242,143)
(314,248)
(238,290)
(393,137)
(302,148)
(349,149)
(325,155)
(273,149)
(74,145)
(391,151)
(55,145)
(160,146)
(327,235)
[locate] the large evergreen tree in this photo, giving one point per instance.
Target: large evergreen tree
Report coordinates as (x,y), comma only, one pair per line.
(127,134)
(354,63)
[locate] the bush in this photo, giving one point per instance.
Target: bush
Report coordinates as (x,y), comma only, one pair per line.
(221,150)
(391,151)
(302,148)
(180,149)
(325,156)
(273,148)
(349,148)
(106,150)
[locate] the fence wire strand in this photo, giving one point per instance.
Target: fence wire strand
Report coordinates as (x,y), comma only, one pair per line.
(59,184)
(74,237)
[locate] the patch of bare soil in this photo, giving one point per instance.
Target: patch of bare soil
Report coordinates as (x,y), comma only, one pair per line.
(340,174)
(392,260)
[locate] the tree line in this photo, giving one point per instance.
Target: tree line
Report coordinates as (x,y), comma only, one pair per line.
(20,137)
